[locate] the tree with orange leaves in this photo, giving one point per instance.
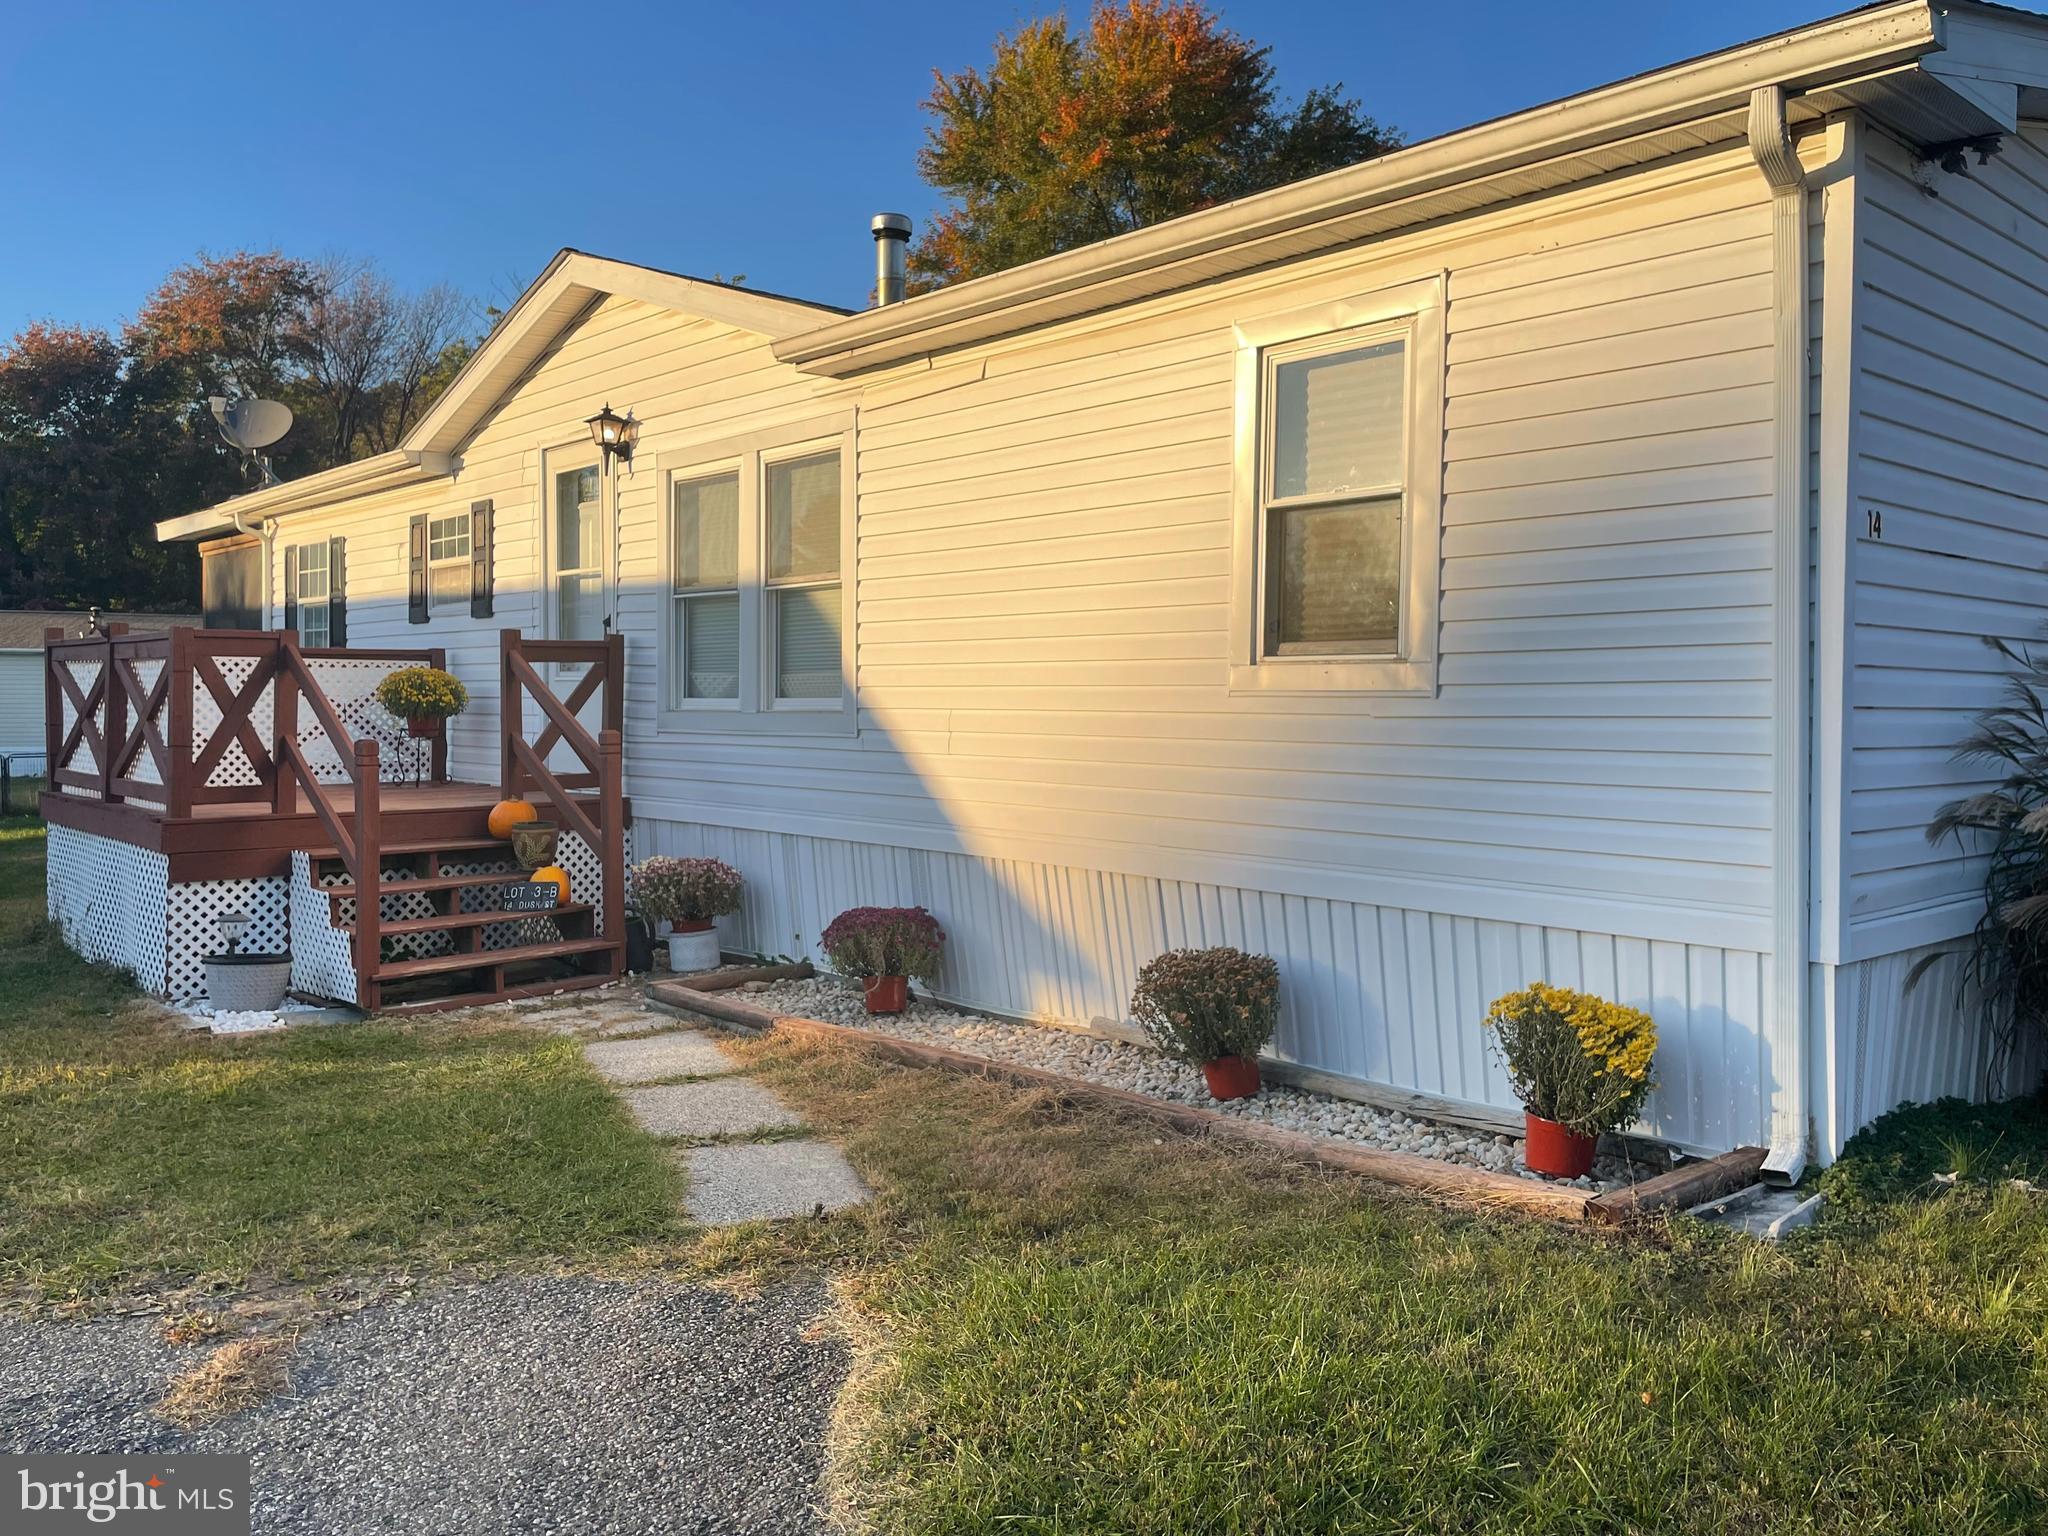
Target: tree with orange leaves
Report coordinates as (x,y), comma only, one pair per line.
(1155,110)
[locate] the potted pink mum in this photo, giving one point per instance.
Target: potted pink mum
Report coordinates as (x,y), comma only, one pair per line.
(885,947)
(687,894)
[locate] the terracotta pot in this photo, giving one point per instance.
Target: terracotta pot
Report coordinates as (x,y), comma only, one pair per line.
(1232,1077)
(1556,1149)
(423,727)
(885,994)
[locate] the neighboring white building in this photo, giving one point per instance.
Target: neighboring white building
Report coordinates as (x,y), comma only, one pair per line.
(1557,549)
(21,668)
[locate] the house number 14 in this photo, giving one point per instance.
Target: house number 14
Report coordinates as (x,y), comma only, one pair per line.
(1873,523)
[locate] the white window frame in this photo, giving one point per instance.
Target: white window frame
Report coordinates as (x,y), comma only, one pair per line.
(674,663)
(451,605)
(324,602)
(758,709)
(1413,314)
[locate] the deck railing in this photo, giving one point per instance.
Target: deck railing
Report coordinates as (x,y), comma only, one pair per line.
(525,765)
(190,717)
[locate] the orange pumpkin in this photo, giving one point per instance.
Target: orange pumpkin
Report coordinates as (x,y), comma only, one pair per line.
(506,815)
(558,875)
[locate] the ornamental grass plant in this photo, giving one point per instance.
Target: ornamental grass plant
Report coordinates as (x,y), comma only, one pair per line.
(1575,1058)
(1203,1005)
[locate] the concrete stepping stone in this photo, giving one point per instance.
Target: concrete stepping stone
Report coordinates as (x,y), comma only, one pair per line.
(725,1106)
(682,1054)
(768,1180)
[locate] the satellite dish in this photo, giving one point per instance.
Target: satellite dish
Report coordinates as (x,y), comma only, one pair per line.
(251,426)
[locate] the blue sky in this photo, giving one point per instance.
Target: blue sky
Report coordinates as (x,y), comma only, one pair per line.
(468,142)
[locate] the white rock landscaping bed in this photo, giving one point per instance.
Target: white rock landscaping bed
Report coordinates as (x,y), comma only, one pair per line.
(1138,1069)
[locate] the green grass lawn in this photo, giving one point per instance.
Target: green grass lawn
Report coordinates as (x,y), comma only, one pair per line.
(1074,1323)
(131,1157)
(1091,1328)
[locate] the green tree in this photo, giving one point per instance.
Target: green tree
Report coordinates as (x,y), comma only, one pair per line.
(1155,110)
(101,437)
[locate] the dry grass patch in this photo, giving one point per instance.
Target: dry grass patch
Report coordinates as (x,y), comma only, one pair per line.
(238,1375)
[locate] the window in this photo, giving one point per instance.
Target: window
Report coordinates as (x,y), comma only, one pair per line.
(803,575)
(758,541)
(1339,474)
(310,592)
(579,555)
(706,587)
(448,568)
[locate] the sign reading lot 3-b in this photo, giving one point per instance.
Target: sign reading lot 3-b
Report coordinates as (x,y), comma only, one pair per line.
(141,1495)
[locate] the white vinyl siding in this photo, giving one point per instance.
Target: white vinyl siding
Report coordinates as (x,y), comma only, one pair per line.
(1951,437)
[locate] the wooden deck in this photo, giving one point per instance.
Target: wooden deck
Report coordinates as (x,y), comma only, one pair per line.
(239,841)
(228,751)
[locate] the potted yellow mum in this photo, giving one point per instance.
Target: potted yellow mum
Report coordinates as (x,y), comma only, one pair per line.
(1581,1066)
(422,697)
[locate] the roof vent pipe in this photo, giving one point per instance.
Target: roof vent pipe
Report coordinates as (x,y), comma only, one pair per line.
(892,251)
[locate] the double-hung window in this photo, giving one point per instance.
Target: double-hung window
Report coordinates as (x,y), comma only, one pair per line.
(759,536)
(705,567)
(448,563)
(579,554)
(1339,484)
(803,575)
(313,589)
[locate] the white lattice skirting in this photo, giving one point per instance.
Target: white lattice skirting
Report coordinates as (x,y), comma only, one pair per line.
(114,903)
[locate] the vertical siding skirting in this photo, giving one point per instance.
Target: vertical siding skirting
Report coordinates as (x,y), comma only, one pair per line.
(1383,995)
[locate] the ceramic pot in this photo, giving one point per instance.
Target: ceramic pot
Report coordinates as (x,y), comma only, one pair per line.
(533,844)
(241,983)
(1232,1077)
(885,994)
(693,947)
(1556,1149)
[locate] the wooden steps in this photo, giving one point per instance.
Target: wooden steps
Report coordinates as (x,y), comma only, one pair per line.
(427,885)
(442,922)
(518,954)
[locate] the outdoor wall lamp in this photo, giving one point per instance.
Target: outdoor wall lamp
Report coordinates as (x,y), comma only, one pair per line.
(614,434)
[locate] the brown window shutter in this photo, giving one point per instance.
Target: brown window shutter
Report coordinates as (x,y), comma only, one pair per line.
(337,592)
(416,582)
(480,571)
(291,586)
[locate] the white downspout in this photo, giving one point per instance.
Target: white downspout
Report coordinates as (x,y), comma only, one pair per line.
(267,532)
(1770,142)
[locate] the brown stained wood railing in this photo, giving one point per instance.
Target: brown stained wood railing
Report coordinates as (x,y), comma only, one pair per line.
(116,718)
(524,765)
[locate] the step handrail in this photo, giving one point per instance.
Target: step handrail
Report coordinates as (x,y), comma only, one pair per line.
(358,845)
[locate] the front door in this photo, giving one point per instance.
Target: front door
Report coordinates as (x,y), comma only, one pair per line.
(579,543)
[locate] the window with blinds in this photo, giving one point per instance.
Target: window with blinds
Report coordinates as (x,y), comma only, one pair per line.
(448,573)
(802,575)
(705,588)
(1332,509)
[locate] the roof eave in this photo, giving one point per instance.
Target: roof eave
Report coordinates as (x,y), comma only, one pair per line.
(390,471)
(1234,236)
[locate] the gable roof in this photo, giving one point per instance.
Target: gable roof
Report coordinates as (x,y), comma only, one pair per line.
(570,286)
(1931,70)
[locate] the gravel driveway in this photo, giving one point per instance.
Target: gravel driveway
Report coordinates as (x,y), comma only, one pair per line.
(521,1404)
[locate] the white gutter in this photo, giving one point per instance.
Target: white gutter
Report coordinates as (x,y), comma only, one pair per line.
(1846,47)
(365,477)
(1770,142)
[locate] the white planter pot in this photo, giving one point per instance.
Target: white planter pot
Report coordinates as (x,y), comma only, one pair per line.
(247,983)
(693,951)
